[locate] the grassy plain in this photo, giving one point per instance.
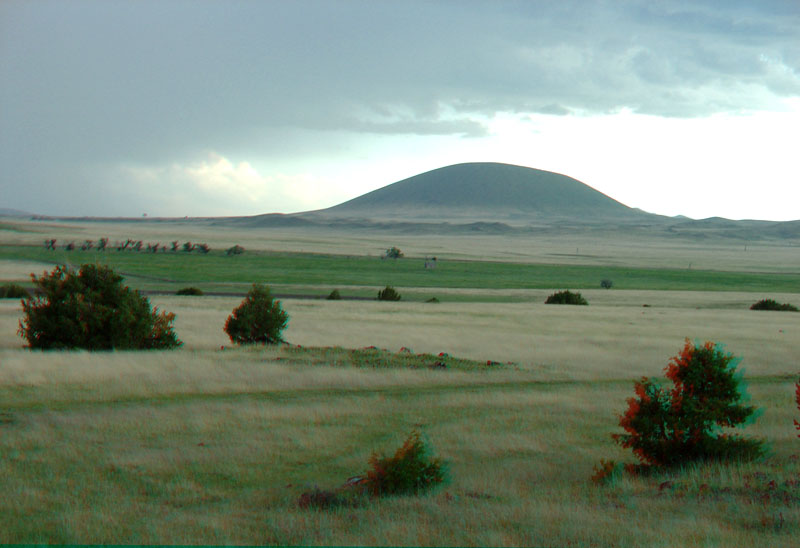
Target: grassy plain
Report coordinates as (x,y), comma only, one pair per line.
(214,445)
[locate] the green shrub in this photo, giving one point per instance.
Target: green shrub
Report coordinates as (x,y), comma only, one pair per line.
(770,304)
(432,300)
(235,250)
(566,297)
(388,294)
(259,319)
(409,471)
(91,309)
(393,253)
(672,427)
(334,295)
(13,291)
(606,284)
(192,291)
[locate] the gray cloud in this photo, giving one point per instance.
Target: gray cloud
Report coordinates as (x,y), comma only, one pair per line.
(88,84)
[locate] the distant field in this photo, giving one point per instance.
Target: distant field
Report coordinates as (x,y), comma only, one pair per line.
(170,271)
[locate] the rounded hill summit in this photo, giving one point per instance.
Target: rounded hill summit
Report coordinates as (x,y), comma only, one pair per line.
(482,191)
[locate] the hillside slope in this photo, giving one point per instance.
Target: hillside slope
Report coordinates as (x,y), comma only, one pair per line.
(486,192)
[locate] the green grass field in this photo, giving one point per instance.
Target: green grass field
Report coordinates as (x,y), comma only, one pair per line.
(213,444)
(216,271)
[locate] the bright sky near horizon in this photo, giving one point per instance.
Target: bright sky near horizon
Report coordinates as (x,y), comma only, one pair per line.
(206,108)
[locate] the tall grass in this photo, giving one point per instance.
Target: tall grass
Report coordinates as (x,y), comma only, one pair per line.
(183,448)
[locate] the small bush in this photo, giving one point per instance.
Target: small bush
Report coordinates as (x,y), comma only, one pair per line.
(566,297)
(409,471)
(13,291)
(334,295)
(259,319)
(606,284)
(91,309)
(770,304)
(672,427)
(388,294)
(193,291)
(235,250)
(393,253)
(432,300)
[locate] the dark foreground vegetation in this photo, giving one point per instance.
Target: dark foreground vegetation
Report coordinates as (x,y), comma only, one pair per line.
(90,308)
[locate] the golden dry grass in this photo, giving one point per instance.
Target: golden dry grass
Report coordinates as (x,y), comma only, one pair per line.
(203,445)
(197,446)
(561,342)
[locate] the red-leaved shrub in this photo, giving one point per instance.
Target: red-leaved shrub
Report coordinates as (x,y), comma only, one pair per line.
(671,427)
(409,471)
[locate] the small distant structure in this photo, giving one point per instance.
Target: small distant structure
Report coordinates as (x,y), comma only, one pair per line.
(430,263)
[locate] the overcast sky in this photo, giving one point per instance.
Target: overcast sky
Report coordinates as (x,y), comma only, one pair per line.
(201,108)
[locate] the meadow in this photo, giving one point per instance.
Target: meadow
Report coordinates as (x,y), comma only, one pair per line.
(214,444)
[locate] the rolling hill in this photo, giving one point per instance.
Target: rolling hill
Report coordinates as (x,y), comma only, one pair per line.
(486,192)
(494,198)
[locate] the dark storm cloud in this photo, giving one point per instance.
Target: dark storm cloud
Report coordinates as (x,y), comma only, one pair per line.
(90,84)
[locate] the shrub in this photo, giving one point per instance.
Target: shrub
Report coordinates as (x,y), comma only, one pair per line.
(671,427)
(334,295)
(259,319)
(194,291)
(393,253)
(91,309)
(388,294)
(235,250)
(409,471)
(566,297)
(13,291)
(606,284)
(770,304)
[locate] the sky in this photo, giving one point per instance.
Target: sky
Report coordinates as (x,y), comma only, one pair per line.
(215,108)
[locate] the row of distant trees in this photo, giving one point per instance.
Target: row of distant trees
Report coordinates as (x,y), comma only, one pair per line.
(138,245)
